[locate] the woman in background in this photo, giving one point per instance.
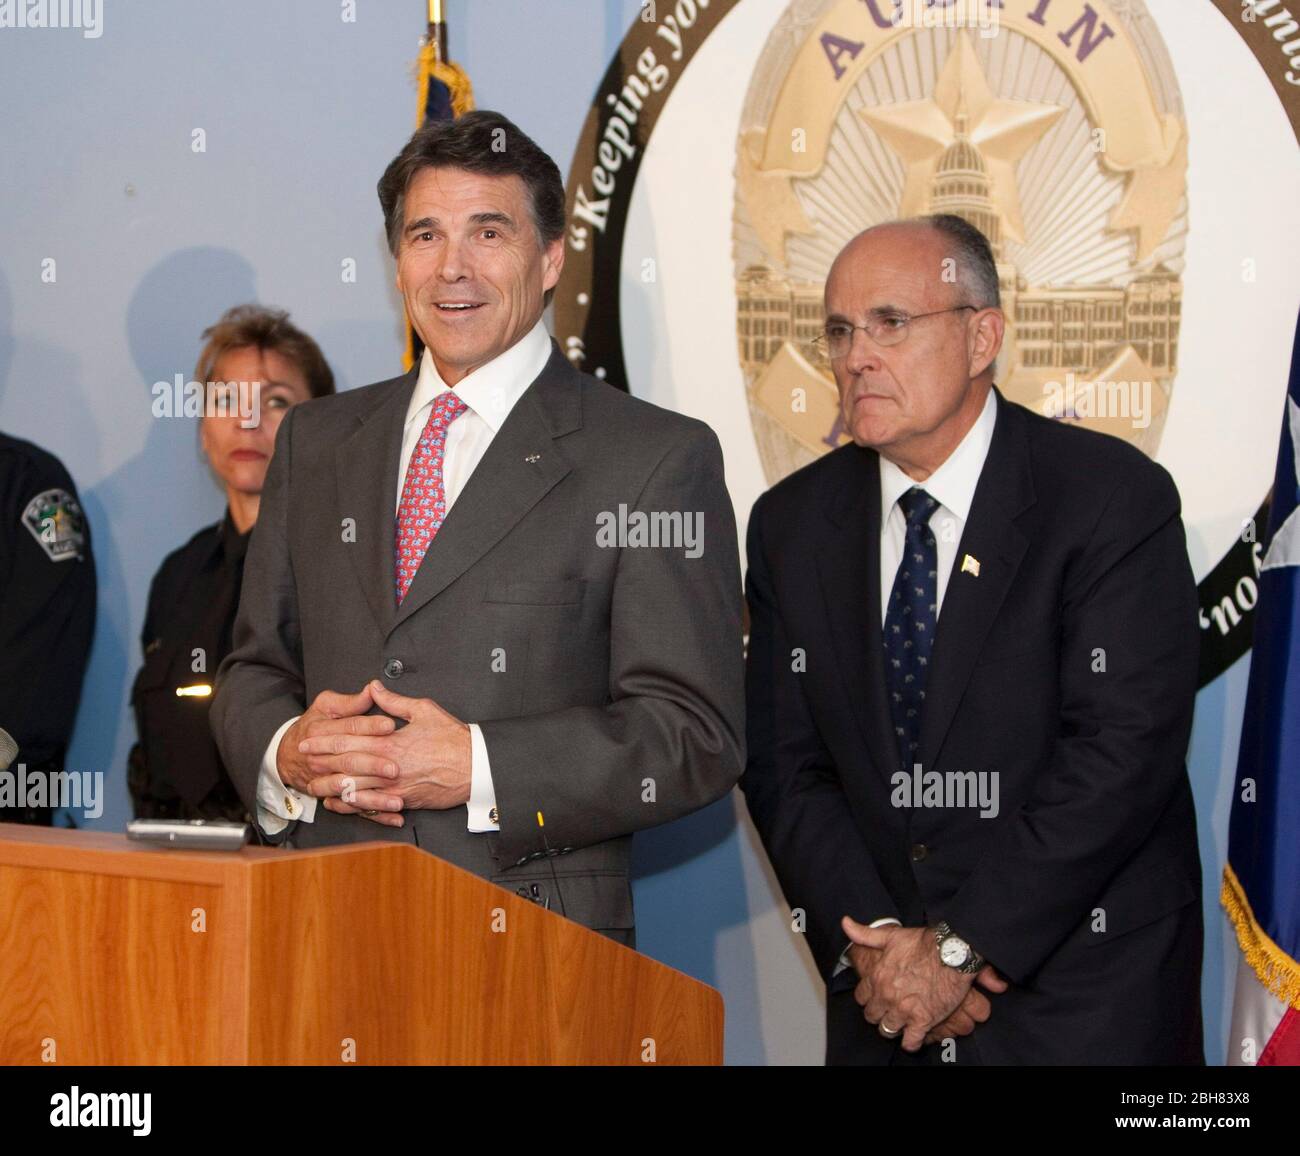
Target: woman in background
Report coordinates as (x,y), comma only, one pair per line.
(255,365)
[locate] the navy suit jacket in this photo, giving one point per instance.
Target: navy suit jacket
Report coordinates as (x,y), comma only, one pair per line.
(1067,667)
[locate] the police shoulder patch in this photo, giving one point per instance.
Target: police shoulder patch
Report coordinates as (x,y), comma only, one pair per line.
(55,520)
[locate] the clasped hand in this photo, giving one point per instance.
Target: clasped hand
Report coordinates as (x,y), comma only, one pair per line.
(902,983)
(358,762)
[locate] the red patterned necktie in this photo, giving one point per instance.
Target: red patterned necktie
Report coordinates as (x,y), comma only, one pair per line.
(424,502)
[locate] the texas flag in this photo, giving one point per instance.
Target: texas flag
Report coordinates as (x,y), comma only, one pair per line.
(1261,881)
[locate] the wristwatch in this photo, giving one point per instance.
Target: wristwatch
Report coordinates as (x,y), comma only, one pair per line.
(954,951)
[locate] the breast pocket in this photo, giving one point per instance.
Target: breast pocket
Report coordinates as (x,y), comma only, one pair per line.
(556,592)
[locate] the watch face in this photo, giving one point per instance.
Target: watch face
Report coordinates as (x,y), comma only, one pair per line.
(953,951)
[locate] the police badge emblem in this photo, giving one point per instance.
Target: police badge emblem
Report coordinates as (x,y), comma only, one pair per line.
(700,240)
(55,520)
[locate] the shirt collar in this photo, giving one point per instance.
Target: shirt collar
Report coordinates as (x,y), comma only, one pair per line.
(491,390)
(953,484)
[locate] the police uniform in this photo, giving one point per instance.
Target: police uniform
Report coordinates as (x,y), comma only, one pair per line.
(47,614)
(175,770)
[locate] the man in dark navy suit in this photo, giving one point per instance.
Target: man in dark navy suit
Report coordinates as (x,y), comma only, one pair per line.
(971,673)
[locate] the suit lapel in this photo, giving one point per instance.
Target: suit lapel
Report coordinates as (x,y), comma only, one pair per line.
(971,602)
(366,465)
(520,467)
(849,570)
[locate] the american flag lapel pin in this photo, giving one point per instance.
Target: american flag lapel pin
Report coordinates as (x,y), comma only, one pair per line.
(970,565)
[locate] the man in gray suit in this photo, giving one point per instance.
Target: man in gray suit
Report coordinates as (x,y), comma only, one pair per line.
(491,607)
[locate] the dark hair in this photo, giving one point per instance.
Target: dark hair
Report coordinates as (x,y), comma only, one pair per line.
(977,270)
(256,326)
(479,142)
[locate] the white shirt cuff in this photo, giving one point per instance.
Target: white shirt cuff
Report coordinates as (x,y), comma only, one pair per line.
(278,805)
(845,962)
(482,795)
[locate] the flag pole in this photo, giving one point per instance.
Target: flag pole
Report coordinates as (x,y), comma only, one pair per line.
(437,29)
(444,93)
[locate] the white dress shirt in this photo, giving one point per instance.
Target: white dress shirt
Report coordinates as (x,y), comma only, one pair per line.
(490,393)
(952,485)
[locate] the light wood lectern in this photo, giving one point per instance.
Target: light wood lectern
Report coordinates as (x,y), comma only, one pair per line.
(374,953)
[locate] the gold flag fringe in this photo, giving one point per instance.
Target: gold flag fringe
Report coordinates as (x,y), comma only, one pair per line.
(452,75)
(1277,971)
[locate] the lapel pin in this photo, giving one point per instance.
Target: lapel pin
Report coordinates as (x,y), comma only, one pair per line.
(533,458)
(970,565)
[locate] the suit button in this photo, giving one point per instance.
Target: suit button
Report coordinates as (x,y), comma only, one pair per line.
(393,668)
(919,852)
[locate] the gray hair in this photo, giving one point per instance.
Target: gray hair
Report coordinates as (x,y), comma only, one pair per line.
(977,270)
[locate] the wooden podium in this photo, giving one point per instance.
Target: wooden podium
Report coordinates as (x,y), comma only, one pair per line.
(373,953)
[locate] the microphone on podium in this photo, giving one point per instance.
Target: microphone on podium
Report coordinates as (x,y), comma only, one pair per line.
(550,855)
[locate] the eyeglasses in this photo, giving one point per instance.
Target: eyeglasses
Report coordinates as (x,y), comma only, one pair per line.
(884,329)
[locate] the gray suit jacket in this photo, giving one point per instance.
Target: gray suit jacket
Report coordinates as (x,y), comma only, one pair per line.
(620,705)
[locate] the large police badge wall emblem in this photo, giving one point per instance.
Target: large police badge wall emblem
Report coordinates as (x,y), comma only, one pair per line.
(735,146)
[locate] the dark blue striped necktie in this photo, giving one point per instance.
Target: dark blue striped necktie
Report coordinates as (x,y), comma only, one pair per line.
(910,622)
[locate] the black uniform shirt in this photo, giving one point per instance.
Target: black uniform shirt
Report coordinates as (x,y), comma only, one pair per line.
(176,770)
(47,602)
